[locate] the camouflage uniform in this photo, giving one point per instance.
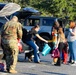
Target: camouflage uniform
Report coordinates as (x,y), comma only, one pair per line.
(9,34)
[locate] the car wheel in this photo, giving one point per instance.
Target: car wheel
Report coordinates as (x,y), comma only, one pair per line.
(41,43)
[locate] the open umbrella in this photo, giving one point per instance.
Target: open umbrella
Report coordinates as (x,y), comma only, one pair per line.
(9,9)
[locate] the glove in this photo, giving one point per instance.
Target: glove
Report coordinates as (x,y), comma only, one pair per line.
(70,30)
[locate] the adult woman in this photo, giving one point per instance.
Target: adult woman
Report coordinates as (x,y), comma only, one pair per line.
(61,41)
(30,41)
(72,41)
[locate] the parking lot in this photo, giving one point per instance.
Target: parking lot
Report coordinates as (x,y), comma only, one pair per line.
(45,68)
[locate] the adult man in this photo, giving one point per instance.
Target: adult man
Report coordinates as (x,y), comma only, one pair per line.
(11,31)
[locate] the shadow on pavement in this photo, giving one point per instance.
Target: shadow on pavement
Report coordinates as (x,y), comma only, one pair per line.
(54,73)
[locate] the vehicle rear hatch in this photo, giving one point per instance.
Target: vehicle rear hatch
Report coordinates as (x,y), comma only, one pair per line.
(27,12)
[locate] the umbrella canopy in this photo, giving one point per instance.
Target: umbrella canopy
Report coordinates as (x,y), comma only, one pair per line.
(9,9)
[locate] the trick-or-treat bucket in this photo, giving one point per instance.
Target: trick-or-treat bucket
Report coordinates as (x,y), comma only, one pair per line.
(46,50)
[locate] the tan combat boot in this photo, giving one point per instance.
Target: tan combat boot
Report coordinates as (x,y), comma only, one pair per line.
(13,71)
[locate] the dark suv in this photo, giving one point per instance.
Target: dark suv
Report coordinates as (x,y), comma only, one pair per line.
(46,24)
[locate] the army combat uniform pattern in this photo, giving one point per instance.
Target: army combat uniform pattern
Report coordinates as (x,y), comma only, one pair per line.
(10,32)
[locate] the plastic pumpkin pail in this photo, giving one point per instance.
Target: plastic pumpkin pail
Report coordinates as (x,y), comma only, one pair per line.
(46,49)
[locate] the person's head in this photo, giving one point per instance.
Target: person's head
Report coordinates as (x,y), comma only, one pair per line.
(72,24)
(15,18)
(56,23)
(54,31)
(36,28)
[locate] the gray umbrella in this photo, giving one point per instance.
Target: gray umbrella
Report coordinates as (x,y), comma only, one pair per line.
(9,9)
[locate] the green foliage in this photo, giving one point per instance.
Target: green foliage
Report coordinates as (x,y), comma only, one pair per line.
(57,8)
(1,0)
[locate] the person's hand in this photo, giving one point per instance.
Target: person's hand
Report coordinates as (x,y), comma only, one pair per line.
(46,41)
(70,29)
(56,46)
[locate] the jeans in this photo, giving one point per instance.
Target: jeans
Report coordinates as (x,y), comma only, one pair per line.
(35,48)
(72,49)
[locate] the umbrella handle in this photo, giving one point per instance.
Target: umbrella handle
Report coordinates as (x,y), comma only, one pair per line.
(6,18)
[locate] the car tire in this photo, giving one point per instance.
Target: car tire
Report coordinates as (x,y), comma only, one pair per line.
(41,43)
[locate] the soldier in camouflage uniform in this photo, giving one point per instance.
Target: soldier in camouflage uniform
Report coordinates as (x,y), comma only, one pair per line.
(11,31)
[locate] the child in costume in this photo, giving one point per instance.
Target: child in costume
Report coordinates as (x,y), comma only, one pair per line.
(54,41)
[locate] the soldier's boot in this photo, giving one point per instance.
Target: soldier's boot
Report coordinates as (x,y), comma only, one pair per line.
(13,71)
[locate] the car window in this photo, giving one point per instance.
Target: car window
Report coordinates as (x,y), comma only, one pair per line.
(32,22)
(47,22)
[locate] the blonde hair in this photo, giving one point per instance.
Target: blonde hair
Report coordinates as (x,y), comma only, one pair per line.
(62,35)
(60,31)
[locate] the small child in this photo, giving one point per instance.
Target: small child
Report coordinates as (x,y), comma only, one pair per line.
(54,41)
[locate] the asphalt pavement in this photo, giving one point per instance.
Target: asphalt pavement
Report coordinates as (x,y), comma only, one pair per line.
(45,68)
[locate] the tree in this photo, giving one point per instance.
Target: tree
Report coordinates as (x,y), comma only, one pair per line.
(56,8)
(1,0)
